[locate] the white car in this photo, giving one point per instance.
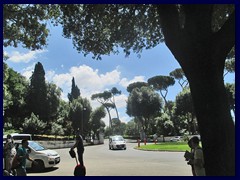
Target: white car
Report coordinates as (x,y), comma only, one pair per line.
(45,158)
(117,142)
(176,139)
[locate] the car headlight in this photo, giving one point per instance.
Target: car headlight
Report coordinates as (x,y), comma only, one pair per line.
(50,159)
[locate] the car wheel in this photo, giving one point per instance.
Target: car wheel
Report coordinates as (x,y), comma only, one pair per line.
(109,147)
(39,166)
(125,148)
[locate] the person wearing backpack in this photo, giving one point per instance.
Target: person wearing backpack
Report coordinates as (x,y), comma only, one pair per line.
(9,153)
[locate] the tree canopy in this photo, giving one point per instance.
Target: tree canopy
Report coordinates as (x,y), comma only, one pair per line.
(200,37)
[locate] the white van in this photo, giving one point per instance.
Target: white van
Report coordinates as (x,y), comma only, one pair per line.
(17,136)
(117,142)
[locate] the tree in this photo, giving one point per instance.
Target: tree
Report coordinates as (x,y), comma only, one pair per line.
(164,125)
(56,129)
(53,100)
(143,103)
(104,98)
(136,85)
(199,36)
(161,84)
(79,115)
(132,128)
(229,66)
(184,107)
(114,92)
(33,125)
(75,92)
(96,117)
(37,95)
(15,91)
(179,75)
(24,23)
(230,88)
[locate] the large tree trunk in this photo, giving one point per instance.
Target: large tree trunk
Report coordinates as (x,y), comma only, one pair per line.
(201,54)
(214,119)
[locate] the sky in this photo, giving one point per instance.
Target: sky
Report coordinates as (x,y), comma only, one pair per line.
(62,62)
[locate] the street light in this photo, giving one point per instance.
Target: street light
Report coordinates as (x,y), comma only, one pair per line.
(84,109)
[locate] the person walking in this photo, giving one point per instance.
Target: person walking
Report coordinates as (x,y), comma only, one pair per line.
(80,147)
(22,156)
(198,159)
(9,153)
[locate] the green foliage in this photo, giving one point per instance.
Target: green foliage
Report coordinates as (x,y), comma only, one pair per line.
(15,90)
(75,91)
(53,100)
(132,129)
(161,82)
(164,125)
(145,103)
(56,129)
(184,103)
(136,85)
(178,147)
(79,114)
(230,89)
(179,75)
(130,26)
(230,65)
(37,95)
(33,125)
(26,24)
(96,117)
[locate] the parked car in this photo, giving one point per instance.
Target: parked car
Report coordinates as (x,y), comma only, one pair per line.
(17,136)
(45,158)
(176,139)
(117,142)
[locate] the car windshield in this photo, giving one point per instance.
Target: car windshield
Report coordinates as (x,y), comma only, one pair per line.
(36,146)
(119,138)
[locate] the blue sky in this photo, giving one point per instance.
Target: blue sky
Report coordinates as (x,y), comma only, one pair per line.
(61,62)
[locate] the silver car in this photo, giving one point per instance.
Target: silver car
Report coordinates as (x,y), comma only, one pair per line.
(117,142)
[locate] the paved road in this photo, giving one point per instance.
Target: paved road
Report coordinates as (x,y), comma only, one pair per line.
(100,161)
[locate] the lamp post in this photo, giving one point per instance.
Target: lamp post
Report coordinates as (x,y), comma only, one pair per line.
(84,109)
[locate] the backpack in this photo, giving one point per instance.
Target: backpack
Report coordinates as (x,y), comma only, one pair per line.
(16,163)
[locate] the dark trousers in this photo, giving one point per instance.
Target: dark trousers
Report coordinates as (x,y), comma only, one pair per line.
(80,157)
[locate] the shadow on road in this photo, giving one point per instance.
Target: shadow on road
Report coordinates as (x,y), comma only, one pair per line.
(44,171)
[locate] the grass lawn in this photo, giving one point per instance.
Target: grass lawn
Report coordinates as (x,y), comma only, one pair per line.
(167,146)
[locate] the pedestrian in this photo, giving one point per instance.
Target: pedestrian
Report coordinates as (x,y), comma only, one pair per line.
(80,147)
(198,160)
(22,156)
(189,156)
(9,153)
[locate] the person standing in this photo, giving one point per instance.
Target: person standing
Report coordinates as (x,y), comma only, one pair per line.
(22,156)
(9,153)
(190,157)
(198,160)
(80,147)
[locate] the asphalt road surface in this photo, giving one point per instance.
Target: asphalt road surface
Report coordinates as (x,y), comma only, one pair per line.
(100,161)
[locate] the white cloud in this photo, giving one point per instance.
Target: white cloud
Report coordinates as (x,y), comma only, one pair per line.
(17,57)
(120,100)
(62,80)
(90,81)
(27,72)
(125,82)
(49,75)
